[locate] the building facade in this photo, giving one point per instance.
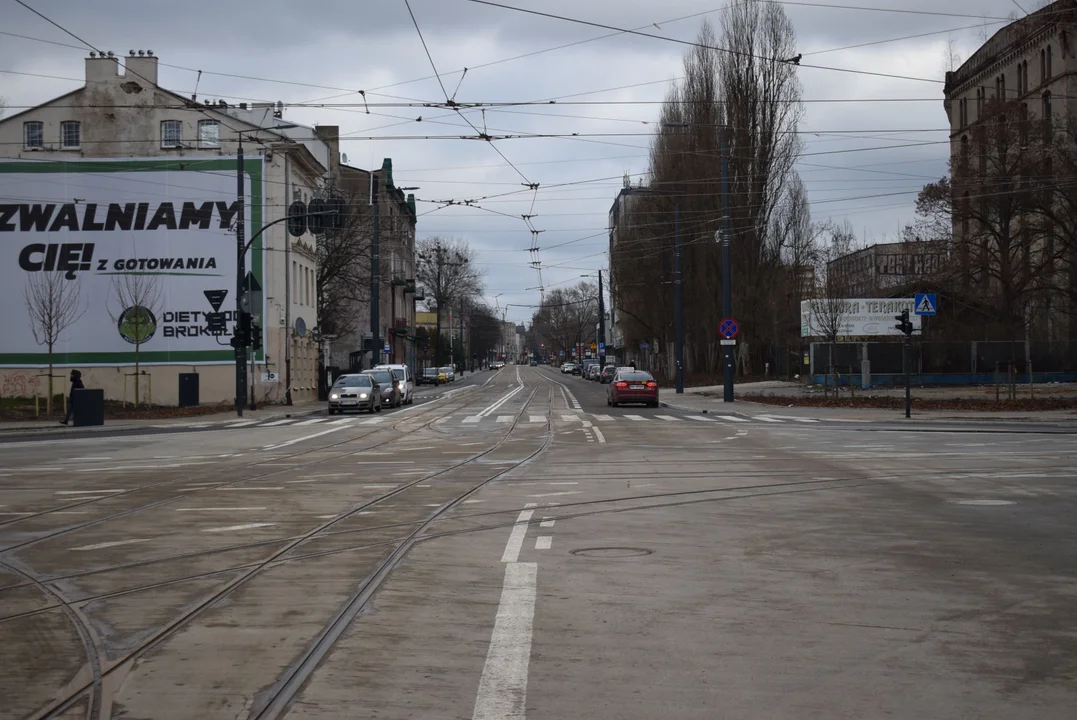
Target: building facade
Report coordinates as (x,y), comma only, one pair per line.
(880,269)
(620,219)
(147,179)
(1011,113)
(397,291)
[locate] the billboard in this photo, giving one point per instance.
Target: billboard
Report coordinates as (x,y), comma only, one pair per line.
(858,317)
(165,226)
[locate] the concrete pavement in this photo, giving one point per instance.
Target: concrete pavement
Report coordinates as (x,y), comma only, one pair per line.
(521,550)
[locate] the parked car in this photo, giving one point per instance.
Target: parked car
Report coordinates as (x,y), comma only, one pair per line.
(450,374)
(576,369)
(534,363)
(592,372)
(633,386)
(404,380)
(428,376)
(354,392)
(497,364)
(567,368)
(606,376)
(390,393)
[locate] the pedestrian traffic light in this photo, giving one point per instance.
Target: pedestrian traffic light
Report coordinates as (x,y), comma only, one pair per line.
(903,323)
(256,337)
(216,322)
(242,337)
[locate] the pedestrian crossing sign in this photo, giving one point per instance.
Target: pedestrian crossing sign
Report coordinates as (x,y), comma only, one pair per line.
(925,304)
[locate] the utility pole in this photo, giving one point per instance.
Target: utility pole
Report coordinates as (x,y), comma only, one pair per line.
(437,320)
(601,324)
(241,272)
(463,347)
(727,269)
(678,293)
(375,274)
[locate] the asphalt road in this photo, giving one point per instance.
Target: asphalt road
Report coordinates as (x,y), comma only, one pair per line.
(513,548)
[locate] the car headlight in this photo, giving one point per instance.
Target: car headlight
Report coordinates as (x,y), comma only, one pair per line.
(363,396)
(400,384)
(334,396)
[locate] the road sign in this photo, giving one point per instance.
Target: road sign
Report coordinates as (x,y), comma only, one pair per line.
(728,341)
(602,346)
(216,322)
(728,328)
(925,304)
(216,298)
(594,347)
(251,284)
(644,346)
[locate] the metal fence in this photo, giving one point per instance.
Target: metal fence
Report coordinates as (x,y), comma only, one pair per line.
(959,361)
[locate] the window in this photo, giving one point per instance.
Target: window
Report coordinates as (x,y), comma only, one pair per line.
(1023,126)
(1024,76)
(979,103)
(964,154)
(295,281)
(1049,72)
(33,134)
(1002,86)
(171,133)
(1048,130)
(209,134)
(965,216)
(70,135)
(1043,66)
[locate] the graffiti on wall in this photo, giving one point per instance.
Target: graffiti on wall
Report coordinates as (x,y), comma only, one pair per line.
(20,385)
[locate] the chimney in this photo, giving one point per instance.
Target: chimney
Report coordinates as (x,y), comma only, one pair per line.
(102,69)
(143,69)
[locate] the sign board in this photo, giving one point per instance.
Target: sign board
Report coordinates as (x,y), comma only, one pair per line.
(602,347)
(644,346)
(728,341)
(159,226)
(270,377)
(925,304)
(728,328)
(854,317)
(594,347)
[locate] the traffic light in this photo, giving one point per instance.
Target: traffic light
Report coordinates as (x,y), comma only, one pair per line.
(242,337)
(903,323)
(256,337)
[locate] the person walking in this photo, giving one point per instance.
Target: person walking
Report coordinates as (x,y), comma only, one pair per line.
(76,384)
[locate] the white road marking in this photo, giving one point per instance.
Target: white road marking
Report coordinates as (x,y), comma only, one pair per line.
(504,418)
(537,418)
(547,522)
(305,437)
(373,421)
(312,421)
(516,537)
(765,418)
(543,542)
(700,418)
(668,417)
(502,693)
(473,502)
(219,509)
(68,512)
(603,418)
(795,418)
(287,421)
(732,418)
(114,543)
(473,419)
(248,488)
(378,486)
(635,417)
(570,418)
(241,423)
(555,494)
(382,462)
(85,492)
(230,528)
(343,421)
(17,514)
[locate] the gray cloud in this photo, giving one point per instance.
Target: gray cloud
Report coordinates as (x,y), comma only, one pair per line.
(369,44)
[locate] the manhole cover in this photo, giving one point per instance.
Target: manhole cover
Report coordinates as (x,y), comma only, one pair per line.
(984,502)
(612,552)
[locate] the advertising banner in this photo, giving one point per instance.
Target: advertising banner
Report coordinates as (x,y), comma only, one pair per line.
(146,243)
(856,317)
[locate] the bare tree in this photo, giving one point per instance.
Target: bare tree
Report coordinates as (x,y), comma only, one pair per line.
(448,273)
(568,316)
(54,303)
(343,270)
(830,309)
(139,299)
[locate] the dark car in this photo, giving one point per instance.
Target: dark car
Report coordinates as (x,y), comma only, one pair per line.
(428,376)
(634,386)
(606,376)
(389,390)
(576,369)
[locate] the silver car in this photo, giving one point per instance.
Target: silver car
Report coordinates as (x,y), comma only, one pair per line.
(354,392)
(391,396)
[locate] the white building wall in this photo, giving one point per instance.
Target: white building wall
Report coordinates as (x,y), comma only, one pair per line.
(120,112)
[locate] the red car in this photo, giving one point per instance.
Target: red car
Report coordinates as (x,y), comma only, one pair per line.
(632,386)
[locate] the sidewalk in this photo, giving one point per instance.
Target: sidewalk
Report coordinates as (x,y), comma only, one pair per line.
(699,399)
(263,413)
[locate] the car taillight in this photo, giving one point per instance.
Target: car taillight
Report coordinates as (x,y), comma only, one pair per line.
(652,384)
(621,384)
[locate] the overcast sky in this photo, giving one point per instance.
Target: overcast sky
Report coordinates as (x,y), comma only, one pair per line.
(306,52)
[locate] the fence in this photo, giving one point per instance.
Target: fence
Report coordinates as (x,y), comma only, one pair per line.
(948,363)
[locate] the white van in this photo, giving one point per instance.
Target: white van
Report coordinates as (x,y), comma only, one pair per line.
(407,385)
